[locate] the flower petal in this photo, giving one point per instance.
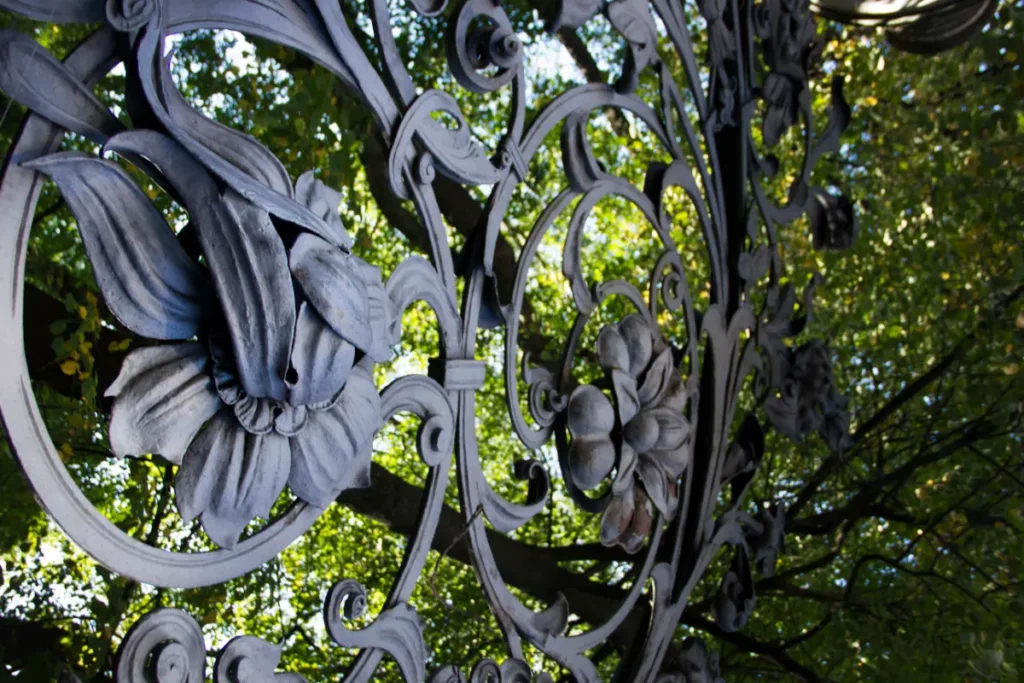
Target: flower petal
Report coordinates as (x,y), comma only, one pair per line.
(642,431)
(320,199)
(626,468)
(673,428)
(250,268)
(633,538)
(147,279)
(677,393)
(164,395)
(381,311)
(639,341)
(658,379)
(626,400)
(225,151)
(332,452)
(29,74)
(239,160)
(224,375)
(321,360)
(612,352)
(617,517)
(331,280)
(290,420)
(229,476)
(255,415)
(591,459)
(245,256)
(658,485)
(675,460)
(590,412)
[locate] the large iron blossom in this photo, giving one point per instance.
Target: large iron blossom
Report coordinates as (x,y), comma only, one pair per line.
(269,381)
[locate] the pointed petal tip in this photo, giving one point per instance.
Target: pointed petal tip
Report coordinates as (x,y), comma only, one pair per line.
(225,532)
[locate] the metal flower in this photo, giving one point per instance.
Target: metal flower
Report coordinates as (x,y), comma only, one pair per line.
(697,664)
(721,42)
(652,442)
(735,601)
(780,95)
(834,225)
(770,540)
(789,45)
(809,401)
(238,442)
(269,383)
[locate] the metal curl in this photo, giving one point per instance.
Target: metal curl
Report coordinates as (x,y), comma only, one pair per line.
(246,659)
(531,438)
(452,151)
(534,472)
(397,630)
(165,646)
(486,671)
(424,397)
(346,599)
(546,401)
(480,36)
(416,280)
(506,516)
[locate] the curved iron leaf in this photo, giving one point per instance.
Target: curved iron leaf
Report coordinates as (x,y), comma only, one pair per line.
(29,74)
(147,279)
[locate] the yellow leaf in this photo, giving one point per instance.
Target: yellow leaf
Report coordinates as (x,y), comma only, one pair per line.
(66,451)
(1011,369)
(871,100)
(83,312)
(69,367)
(945,276)
(1011,56)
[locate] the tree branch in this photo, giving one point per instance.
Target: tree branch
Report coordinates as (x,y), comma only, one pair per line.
(775,653)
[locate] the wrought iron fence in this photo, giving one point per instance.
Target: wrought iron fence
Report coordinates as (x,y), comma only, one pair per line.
(261,381)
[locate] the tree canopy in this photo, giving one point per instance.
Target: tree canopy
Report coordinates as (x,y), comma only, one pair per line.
(903,551)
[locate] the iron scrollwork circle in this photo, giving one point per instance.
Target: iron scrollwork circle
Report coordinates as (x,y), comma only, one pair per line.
(38,457)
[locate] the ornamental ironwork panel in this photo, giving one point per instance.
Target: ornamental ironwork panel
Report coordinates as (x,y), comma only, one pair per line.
(267,323)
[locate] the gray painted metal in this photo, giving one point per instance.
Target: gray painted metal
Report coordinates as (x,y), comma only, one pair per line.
(263,376)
